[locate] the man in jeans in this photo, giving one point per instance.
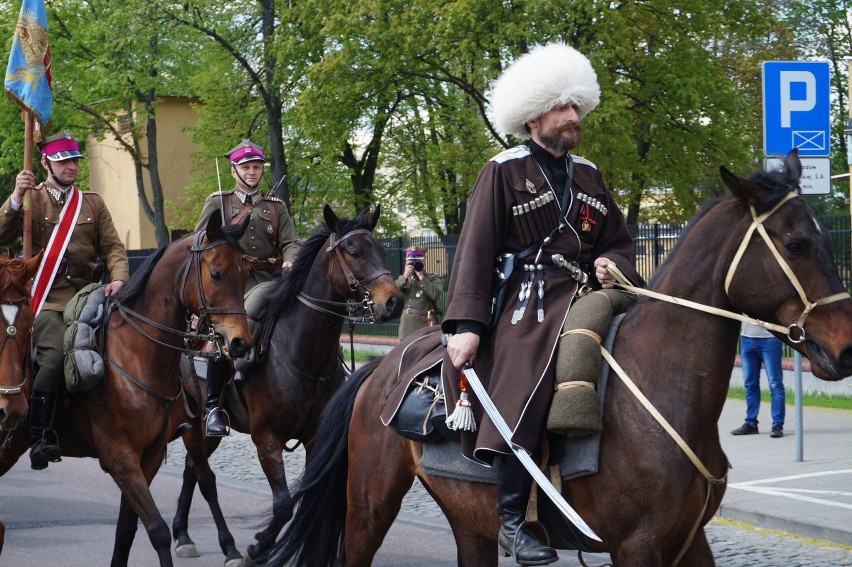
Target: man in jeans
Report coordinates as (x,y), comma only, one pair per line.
(759,345)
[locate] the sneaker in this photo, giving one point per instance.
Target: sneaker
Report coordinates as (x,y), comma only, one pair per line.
(745,429)
(777,432)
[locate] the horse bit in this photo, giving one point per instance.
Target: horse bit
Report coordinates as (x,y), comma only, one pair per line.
(367,304)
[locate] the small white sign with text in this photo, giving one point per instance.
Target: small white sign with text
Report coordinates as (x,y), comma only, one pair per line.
(816,174)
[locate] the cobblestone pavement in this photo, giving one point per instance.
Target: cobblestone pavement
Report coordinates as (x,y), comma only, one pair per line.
(734,545)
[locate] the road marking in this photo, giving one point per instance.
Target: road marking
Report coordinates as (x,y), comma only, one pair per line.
(801,494)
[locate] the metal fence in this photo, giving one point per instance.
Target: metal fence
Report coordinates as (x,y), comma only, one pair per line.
(651,242)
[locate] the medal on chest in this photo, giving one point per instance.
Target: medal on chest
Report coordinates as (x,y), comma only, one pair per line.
(586,221)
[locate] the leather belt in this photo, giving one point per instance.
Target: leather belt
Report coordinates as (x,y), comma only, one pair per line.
(412,311)
(270,265)
(92,273)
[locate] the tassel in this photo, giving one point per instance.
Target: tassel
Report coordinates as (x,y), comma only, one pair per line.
(462,417)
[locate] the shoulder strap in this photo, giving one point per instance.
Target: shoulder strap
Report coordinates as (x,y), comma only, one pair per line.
(227,209)
(243,212)
(42,224)
(273,218)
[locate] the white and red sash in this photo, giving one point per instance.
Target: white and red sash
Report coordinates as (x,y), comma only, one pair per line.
(56,248)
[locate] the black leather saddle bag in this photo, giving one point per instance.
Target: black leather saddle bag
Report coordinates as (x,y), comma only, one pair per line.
(422,415)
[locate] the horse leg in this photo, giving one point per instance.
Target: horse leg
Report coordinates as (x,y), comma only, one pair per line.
(699,553)
(381,472)
(134,479)
(125,533)
(184,546)
(270,455)
(472,516)
(197,458)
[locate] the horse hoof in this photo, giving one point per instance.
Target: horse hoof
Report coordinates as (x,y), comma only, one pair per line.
(187,550)
(243,561)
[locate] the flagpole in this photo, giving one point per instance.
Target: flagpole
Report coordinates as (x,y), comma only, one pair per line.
(28,194)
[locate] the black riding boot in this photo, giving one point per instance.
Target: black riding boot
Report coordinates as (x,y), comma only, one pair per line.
(217,421)
(44,446)
(514,484)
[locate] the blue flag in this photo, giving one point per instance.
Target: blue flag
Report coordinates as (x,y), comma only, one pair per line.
(28,73)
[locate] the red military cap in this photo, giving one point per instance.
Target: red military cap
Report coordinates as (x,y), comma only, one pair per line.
(60,146)
(246,151)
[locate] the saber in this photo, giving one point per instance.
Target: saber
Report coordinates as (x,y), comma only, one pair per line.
(525,459)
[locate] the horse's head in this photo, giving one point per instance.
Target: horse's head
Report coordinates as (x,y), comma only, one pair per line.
(784,271)
(219,285)
(18,320)
(356,264)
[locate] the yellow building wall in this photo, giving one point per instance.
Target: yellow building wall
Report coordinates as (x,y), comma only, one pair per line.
(113,176)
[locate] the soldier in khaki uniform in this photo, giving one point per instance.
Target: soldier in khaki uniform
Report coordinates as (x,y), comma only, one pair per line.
(77,250)
(269,245)
(422,291)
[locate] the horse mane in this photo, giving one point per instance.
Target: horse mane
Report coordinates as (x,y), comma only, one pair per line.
(775,181)
(285,291)
(13,274)
(133,288)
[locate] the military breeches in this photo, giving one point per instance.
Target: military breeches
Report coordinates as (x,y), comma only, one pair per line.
(48,333)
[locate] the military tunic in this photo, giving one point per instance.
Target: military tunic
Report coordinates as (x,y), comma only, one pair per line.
(421,296)
(258,240)
(87,243)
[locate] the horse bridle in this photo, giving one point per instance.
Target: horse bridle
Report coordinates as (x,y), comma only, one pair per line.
(11,331)
(204,310)
(796,331)
(355,285)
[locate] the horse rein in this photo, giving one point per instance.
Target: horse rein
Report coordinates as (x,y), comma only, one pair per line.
(11,331)
(795,332)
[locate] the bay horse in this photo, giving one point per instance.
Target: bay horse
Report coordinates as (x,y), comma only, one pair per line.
(648,502)
(128,419)
(15,370)
(339,266)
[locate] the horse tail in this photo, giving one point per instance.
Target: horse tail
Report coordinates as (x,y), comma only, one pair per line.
(314,535)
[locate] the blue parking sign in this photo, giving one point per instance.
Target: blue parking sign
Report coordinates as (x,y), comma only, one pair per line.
(796,107)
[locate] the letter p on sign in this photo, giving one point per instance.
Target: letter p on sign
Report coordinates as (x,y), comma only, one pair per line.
(793,80)
(796,108)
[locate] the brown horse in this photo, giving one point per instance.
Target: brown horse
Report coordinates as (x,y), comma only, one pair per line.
(15,371)
(648,502)
(128,419)
(340,266)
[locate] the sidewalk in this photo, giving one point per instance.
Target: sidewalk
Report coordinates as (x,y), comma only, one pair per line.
(769,489)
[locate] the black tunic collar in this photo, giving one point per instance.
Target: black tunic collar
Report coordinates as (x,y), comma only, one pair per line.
(554,168)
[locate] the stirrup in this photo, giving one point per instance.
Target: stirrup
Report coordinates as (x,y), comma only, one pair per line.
(218,423)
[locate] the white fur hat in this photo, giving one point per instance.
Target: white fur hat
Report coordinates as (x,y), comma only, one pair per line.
(546,77)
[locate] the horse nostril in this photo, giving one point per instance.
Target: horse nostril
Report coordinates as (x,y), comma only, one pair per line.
(394,306)
(846,360)
(237,348)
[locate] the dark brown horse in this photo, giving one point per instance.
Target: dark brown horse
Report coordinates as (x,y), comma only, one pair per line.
(15,372)
(648,497)
(129,418)
(340,266)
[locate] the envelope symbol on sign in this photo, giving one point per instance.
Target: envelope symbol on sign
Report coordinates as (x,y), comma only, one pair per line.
(809,140)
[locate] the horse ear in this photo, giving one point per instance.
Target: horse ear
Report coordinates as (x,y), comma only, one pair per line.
(372,217)
(214,225)
(746,191)
(242,227)
(10,253)
(331,220)
(33,263)
(793,168)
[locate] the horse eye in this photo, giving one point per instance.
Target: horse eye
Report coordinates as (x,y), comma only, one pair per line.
(796,248)
(215,276)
